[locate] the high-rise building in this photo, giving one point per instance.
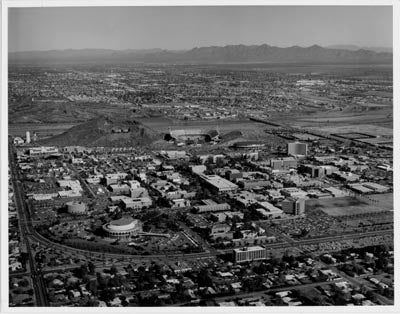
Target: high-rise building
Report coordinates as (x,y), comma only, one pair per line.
(28,137)
(294,206)
(297,149)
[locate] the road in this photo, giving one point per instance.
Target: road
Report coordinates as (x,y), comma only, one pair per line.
(25,229)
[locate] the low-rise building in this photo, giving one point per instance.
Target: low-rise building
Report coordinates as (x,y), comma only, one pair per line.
(211,206)
(136,203)
(285,163)
(218,183)
(268,210)
(251,253)
(119,188)
(180,203)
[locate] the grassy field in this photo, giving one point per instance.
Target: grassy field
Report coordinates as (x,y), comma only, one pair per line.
(352,206)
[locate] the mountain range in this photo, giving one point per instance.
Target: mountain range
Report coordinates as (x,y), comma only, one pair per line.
(355,47)
(214,54)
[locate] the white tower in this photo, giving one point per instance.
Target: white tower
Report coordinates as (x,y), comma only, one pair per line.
(28,137)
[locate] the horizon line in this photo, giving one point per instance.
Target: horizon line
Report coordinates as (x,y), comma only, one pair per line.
(330,46)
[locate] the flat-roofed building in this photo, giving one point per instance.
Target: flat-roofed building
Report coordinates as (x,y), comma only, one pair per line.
(251,253)
(179,203)
(136,203)
(283,163)
(249,184)
(268,210)
(218,183)
(317,193)
(139,192)
(359,188)
(376,187)
(211,206)
(294,192)
(43,150)
(113,178)
(234,174)
(221,230)
(210,158)
(120,188)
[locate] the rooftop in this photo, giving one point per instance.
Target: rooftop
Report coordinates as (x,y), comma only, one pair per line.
(122,221)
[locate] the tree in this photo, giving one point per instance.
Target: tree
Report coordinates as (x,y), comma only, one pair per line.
(91,267)
(92,286)
(113,270)
(204,278)
(107,295)
(82,271)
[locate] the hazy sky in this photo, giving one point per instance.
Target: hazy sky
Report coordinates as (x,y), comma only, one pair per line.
(188,27)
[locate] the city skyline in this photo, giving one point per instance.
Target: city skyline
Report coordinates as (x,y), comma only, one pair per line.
(121,28)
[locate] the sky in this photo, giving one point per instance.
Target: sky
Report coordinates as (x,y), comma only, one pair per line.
(178,28)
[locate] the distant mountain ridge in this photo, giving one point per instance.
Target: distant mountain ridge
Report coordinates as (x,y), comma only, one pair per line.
(212,54)
(355,47)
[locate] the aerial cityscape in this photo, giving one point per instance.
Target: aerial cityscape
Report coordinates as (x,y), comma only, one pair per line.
(217,175)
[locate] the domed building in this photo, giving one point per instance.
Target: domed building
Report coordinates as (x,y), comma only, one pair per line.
(122,228)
